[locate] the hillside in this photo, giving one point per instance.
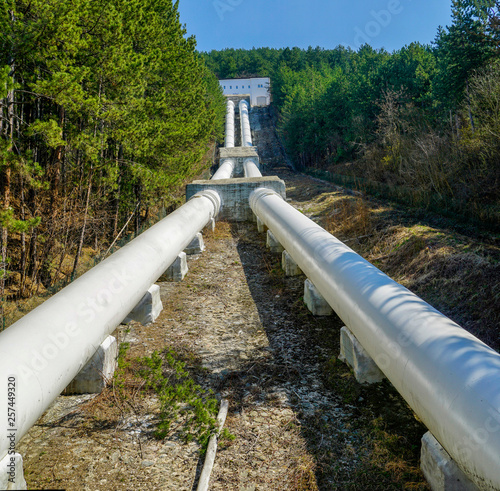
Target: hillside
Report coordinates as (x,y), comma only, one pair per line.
(299,418)
(453,266)
(419,124)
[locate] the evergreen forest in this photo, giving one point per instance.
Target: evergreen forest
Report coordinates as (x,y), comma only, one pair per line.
(420,125)
(106,109)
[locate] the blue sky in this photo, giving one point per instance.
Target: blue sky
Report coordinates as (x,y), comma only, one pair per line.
(389,24)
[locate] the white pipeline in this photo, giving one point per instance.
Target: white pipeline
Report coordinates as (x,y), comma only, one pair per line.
(47,348)
(251,169)
(448,377)
(229,141)
(246,135)
(225,170)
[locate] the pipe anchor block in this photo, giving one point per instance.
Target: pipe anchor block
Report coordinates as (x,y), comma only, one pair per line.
(261,226)
(315,301)
(94,376)
(148,309)
(440,470)
(196,246)
(177,270)
(290,267)
(353,354)
(11,472)
(273,244)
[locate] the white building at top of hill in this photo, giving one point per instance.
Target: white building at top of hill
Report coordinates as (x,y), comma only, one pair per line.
(256,88)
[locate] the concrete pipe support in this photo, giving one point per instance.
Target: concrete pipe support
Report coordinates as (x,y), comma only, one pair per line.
(42,352)
(251,169)
(246,134)
(448,377)
(229,141)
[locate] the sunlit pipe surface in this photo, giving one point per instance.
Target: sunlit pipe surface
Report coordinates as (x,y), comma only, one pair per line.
(251,169)
(229,141)
(246,135)
(448,377)
(47,348)
(225,171)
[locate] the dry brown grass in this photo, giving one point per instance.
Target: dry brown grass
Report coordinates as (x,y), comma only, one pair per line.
(303,477)
(16,309)
(222,231)
(392,455)
(350,217)
(456,274)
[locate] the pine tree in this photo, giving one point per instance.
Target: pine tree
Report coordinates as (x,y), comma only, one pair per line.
(461,49)
(104,109)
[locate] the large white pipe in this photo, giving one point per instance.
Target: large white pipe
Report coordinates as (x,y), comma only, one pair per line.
(448,377)
(229,141)
(246,134)
(47,348)
(225,170)
(251,169)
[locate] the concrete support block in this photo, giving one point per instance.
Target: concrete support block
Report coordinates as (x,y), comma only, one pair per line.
(178,269)
(290,267)
(196,246)
(440,470)
(235,194)
(365,369)
(98,371)
(261,226)
(314,300)
(273,244)
(11,472)
(210,226)
(148,309)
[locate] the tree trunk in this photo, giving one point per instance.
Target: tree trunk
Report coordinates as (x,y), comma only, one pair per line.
(469,109)
(55,171)
(82,234)
(22,261)
(138,211)
(7,176)
(116,216)
(54,175)
(32,259)
(116,200)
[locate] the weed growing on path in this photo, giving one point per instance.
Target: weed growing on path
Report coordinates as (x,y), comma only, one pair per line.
(178,394)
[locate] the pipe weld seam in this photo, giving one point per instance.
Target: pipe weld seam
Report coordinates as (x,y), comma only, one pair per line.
(213,196)
(259,193)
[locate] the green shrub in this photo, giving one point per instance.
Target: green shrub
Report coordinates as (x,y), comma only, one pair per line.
(179,396)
